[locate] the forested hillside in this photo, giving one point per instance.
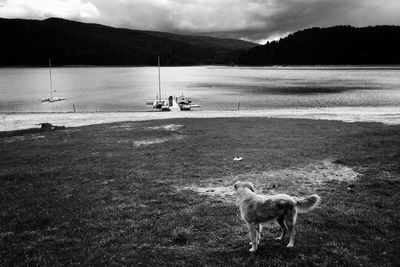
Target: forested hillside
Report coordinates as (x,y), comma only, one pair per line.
(32,42)
(326,46)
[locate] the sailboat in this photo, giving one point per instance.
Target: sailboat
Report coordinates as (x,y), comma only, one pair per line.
(185,104)
(52,98)
(159,103)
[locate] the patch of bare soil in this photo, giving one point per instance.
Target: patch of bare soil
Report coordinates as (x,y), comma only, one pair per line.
(169,127)
(147,142)
(126,127)
(22,138)
(298,180)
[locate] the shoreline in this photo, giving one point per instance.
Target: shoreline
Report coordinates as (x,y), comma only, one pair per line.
(383,66)
(25,120)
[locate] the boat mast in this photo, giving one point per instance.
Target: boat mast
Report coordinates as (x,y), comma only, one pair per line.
(51,83)
(159,82)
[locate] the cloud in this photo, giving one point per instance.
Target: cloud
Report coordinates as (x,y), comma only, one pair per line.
(40,9)
(256,20)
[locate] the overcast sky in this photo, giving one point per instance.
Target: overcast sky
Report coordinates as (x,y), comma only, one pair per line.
(255,20)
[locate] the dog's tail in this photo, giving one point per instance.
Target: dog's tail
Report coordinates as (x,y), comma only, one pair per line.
(304,205)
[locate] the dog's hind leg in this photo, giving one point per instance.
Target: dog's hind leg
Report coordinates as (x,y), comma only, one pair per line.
(281,223)
(259,229)
(290,221)
(253,236)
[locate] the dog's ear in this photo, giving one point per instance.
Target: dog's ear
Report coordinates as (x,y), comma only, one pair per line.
(251,186)
(236,185)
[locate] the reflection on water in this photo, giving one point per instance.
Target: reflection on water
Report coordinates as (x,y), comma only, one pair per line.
(214,88)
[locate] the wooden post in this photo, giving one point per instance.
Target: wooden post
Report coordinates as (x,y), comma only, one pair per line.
(51,82)
(159,80)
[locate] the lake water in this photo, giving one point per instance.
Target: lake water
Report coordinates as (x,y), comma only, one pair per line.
(214,88)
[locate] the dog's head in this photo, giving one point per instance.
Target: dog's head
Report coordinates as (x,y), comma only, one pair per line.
(240,184)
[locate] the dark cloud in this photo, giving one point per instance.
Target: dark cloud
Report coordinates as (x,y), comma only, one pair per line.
(256,20)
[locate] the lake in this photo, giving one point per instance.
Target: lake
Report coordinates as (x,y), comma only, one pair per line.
(213,87)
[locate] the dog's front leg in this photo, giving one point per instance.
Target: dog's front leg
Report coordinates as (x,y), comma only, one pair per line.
(253,236)
(290,222)
(281,222)
(291,240)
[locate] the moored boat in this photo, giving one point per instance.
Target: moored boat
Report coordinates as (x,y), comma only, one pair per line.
(185,104)
(159,103)
(52,98)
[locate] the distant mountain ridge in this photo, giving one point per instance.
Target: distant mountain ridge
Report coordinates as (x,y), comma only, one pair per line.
(339,45)
(32,42)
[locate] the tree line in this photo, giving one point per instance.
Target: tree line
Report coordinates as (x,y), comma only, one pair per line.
(339,45)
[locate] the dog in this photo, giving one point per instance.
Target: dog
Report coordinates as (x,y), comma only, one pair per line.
(257,210)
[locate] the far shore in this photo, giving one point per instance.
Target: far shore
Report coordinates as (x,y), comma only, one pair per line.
(24,120)
(380,66)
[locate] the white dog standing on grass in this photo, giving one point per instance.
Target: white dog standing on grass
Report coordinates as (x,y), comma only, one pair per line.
(257,210)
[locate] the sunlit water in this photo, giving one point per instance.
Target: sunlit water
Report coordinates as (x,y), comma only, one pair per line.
(214,88)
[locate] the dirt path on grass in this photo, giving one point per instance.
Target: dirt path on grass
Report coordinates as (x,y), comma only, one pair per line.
(298,180)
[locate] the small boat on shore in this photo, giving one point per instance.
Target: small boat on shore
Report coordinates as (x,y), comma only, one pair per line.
(185,104)
(52,98)
(187,107)
(159,103)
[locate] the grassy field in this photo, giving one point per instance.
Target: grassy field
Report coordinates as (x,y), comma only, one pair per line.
(159,193)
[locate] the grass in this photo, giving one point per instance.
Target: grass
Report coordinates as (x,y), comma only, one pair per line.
(93,196)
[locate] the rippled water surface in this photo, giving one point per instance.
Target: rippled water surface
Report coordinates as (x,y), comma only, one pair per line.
(212,87)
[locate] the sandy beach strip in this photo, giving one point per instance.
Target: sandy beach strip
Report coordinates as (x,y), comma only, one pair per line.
(18,121)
